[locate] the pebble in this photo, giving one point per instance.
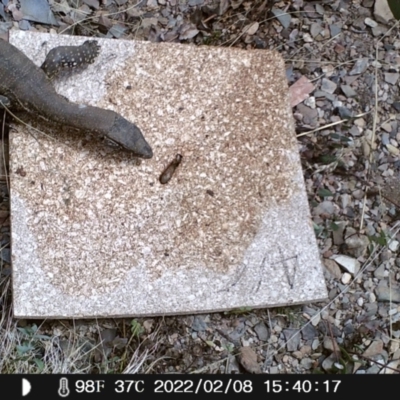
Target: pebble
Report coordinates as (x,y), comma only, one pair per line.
(391,77)
(360,66)
(346,278)
(193,3)
(330,344)
(345,113)
(310,102)
(261,331)
(309,332)
(370,22)
(328,362)
(335,29)
(315,29)
(374,348)
(357,245)
(382,12)
(332,268)
(325,207)
(283,17)
(348,91)
(393,245)
(393,150)
(384,293)
(292,337)
(350,264)
(307,363)
(380,272)
(328,86)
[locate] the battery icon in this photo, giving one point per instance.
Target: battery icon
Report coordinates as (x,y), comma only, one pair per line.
(26,387)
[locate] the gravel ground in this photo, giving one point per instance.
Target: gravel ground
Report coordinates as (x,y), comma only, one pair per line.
(347,111)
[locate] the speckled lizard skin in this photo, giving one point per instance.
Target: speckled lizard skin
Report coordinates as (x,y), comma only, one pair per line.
(24,86)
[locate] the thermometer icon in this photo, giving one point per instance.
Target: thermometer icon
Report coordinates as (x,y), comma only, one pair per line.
(63,390)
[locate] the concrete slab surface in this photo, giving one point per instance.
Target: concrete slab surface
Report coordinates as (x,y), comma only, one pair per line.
(94,232)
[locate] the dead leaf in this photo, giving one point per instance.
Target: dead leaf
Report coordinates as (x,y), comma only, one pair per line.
(252,28)
(300,90)
(248,359)
(236,4)
(188,32)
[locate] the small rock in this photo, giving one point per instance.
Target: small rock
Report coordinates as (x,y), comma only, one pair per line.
(332,268)
(345,113)
(292,338)
(387,126)
(233,365)
(380,272)
(307,38)
(358,194)
(391,77)
(199,323)
(396,105)
(146,22)
(348,329)
(379,30)
(370,22)
(261,331)
(309,332)
(92,3)
(367,3)
(391,367)
(252,28)
(327,364)
(248,359)
(310,11)
(315,29)
(330,344)
(24,25)
(348,91)
(357,245)
(346,278)
(335,29)
(193,3)
(328,86)
(310,102)
(382,12)
(354,131)
(325,207)
(348,263)
(393,245)
(152,4)
(374,348)
(307,363)
(360,66)
(310,116)
(283,17)
(337,234)
(188,32)
(315,319)
(384,293)
(5,255)
(392,149)
(117,30)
